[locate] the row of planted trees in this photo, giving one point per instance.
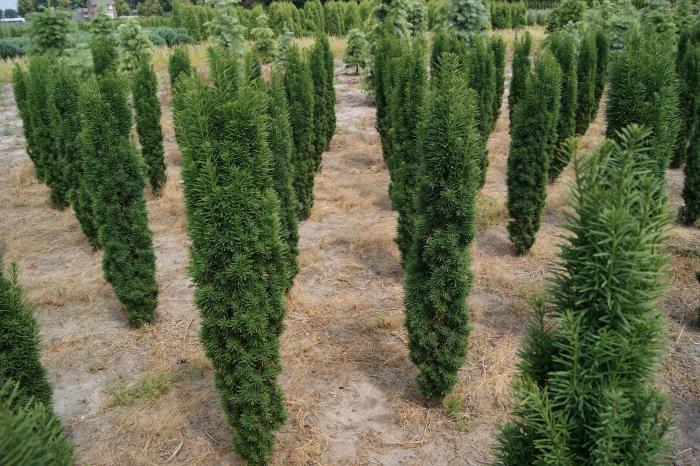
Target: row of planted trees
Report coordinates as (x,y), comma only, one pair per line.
(251,148)
(77,128)
(584,389)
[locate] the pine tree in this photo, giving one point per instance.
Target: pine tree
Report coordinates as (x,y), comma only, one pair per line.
(19,343)
(30,434)
(498,48)
(438,278)
(356,53)
(563,48)
(586,104)
(585,390)
(300,90)
(407,101)
(238,256)
(115,181)
(644,90)
(533,134)
(321,119)
(521,71)
(281,147)
(145,89)
(178,65)
(690,212)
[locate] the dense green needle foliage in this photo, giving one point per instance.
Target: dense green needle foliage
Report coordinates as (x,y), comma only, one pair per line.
(468,18)
(688,65)
(49,31)
(330,83)
(406,103)
(563,47)
(264,45)
(30,434)
(690,212)
(586,103)
(585,390)
(602,45)
(521,71)
(644,90)
(178,65)
(498,48)
(300,89)
(105,55)
(114,179)
(145,94)
(282,170)
(238,258)
(482,78)
(321,118)
(438,277)
(20,83)
(19,343)
(533,135)
(385,51)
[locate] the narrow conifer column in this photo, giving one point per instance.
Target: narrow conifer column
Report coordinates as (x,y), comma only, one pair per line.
(438,277)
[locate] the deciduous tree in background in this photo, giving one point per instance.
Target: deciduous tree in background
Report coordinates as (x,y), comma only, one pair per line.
(533,135)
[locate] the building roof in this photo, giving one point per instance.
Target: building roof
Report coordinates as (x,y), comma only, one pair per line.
(99,2)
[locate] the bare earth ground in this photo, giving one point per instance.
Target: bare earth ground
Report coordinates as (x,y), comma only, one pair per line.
(348,381)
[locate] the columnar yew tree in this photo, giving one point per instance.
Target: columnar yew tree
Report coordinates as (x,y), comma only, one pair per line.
(103,45)
(330,83)
(498,48)
(564,50)
(690,212)
(644,90)
(114,179)
(521,71)
(533,135)
(300,88)
(178,65)
(482,78)
(145,93)
(387,47)
(438,278)
(321,119)
(688,65)
(586,103)
(585,390)
(406,103)
(19,343)
(602,45)
(282,170)
(238,256)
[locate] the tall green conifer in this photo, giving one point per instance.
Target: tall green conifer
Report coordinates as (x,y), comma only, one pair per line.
(533,135)
(521,71)
(438,278)
(407,102)
(145,93)
(178,65)
(563,48)
(115,182)
(321,119)
(585,390)
(282,149)
(586,103)
(299,86)
(498,48)
(238,256)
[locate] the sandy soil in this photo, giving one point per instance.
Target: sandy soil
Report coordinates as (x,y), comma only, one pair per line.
(348,381)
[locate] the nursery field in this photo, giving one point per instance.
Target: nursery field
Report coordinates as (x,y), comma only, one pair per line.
(145,396)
